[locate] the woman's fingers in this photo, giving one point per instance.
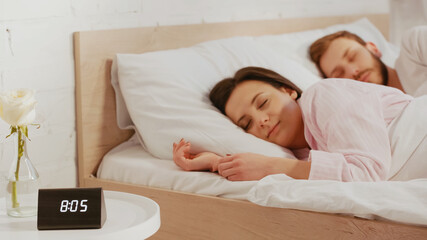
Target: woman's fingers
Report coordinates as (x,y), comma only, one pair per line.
(227,158)
(229,172)
(226,166)
(182,150)
(177,146)
(174,148)
(180,143)
(232,168)
(186,150)
(234,177)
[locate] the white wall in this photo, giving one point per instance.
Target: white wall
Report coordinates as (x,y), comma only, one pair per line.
(36,52)
(404,15)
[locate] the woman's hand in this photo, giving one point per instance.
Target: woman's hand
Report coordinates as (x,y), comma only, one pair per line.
(251,166)
(190,162)
(246,166)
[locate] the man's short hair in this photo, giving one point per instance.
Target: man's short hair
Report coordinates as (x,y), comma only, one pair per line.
(319,47)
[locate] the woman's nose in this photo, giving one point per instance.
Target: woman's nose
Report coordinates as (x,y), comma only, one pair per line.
(263,120)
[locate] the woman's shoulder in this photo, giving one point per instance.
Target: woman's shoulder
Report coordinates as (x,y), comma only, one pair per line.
(339,84)
(329,88)
(337,93)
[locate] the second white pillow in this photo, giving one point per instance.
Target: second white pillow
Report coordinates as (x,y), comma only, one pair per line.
(166,94)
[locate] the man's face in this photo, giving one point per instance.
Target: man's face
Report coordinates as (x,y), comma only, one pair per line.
(346,58)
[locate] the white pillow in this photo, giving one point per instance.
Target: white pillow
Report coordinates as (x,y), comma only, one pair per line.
(214,61)
(296,45)
(166,93)
(292,45)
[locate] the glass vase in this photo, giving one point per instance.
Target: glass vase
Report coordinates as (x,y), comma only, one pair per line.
(23,179)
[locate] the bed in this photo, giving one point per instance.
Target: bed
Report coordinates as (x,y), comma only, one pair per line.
(187,215)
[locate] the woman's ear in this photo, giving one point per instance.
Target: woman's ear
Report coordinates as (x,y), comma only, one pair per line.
(373,49)
(292,93)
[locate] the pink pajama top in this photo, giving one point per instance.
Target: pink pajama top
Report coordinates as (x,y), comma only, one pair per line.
(346,128)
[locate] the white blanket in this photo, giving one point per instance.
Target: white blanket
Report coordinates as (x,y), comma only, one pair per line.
(408,141)
(392,200)
(397,200)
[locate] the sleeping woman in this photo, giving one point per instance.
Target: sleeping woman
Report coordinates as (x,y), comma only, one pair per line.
(342,124)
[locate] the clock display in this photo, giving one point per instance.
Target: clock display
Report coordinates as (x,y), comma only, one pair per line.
(71,208)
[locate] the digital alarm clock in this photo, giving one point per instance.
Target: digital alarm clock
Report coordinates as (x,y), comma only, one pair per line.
(71,208)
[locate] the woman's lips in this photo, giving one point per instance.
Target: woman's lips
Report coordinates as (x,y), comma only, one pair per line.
(273,130)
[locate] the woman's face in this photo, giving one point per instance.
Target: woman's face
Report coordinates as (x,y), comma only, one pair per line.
(268,113)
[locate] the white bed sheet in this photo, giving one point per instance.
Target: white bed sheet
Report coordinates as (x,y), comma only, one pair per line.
(130,163)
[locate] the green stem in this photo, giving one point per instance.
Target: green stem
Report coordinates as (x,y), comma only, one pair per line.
(15,203)
(21,142)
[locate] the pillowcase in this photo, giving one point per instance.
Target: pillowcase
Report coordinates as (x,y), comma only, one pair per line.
(123,118)
(296,45)
(166,94)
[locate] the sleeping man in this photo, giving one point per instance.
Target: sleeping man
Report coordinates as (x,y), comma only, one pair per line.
(346,55)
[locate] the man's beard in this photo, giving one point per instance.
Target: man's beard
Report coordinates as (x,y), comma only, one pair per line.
(383,70)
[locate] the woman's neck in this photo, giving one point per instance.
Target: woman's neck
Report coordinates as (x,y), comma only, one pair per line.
(301,141)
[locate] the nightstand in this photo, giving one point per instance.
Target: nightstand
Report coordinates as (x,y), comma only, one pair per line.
(129,216)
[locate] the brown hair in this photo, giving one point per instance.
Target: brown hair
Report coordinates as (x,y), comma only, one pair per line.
(221,92)
(319,47)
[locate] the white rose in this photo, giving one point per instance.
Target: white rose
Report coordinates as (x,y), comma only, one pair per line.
(17,107)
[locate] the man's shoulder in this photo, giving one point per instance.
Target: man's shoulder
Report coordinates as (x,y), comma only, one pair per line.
(411,65)
(416,36)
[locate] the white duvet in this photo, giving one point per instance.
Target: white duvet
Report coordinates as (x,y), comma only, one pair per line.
(397,200)
(392,200)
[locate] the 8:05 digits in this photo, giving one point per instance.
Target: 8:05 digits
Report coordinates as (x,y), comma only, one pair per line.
(73,205)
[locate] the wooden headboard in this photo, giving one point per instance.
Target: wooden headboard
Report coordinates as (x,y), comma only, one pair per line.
(97,130)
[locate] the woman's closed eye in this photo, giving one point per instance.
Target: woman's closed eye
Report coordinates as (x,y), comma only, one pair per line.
(246,122)
(262,104)
(248,125)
